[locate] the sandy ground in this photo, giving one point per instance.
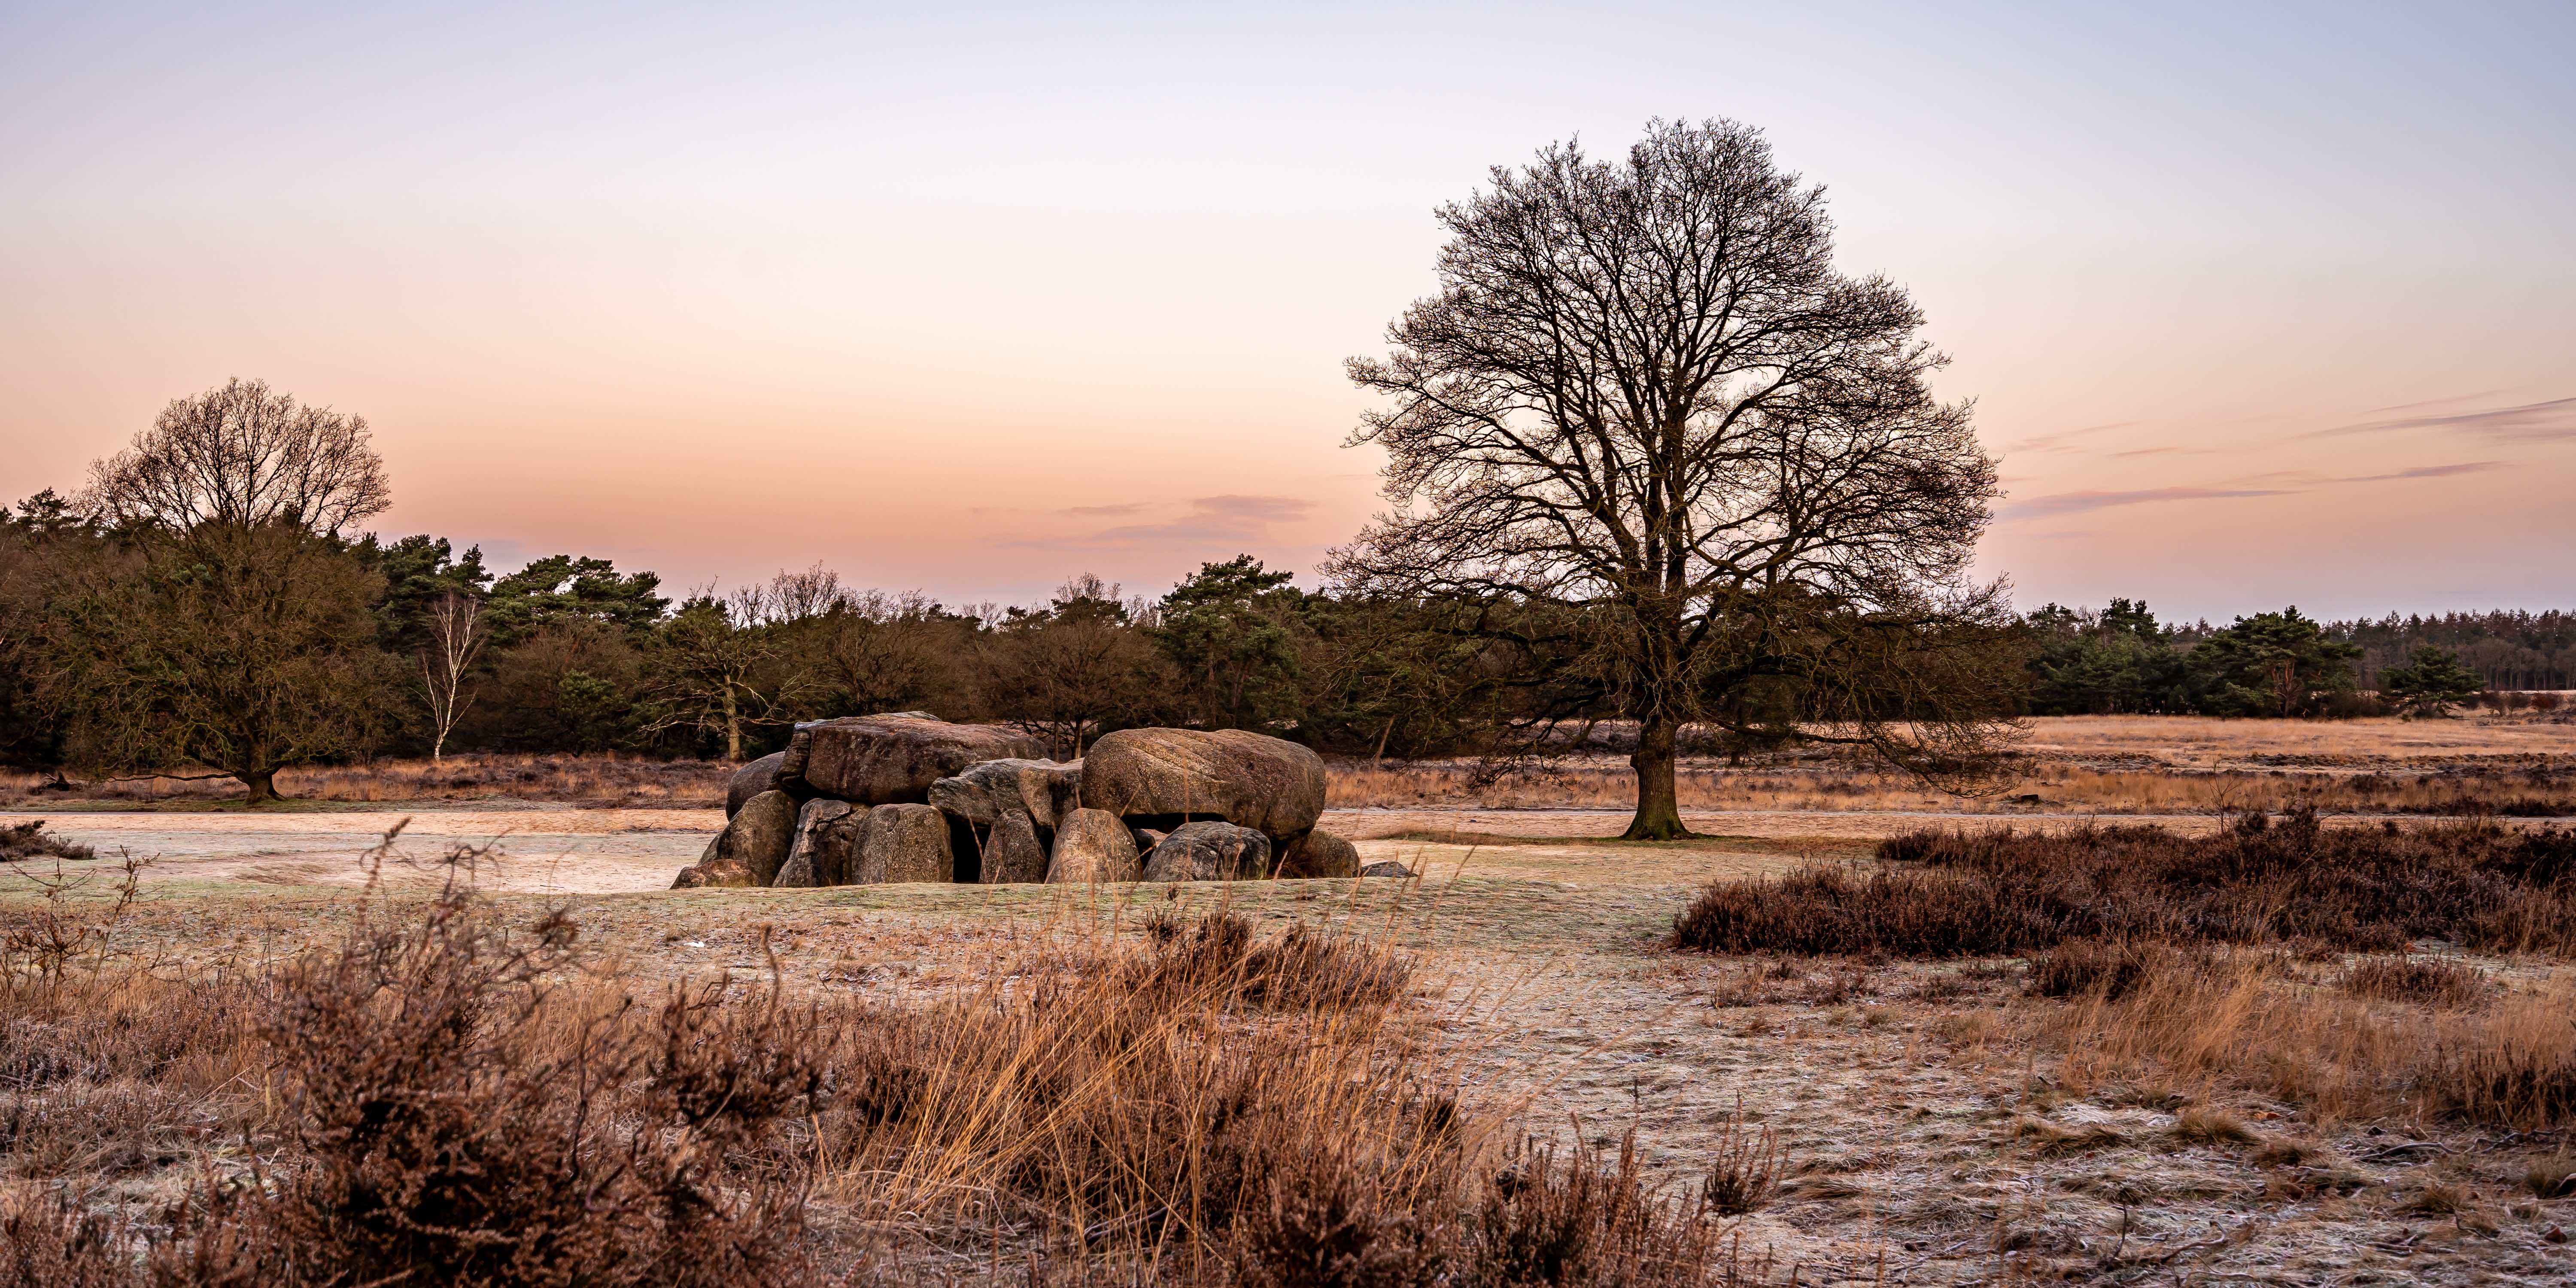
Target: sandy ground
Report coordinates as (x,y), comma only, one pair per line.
(542,850)
(1544,963)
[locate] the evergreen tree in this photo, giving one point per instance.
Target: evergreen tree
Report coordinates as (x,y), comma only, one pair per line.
(2431,684)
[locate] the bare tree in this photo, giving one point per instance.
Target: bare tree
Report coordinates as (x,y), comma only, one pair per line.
(1074,667)
(892,652)
(791,597)
(1644,394)
(455,637)
(244,455)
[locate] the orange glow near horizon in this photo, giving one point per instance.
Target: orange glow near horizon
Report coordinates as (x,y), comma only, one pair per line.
(972,308)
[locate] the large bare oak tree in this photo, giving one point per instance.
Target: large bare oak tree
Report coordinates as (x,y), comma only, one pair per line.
(1644,403)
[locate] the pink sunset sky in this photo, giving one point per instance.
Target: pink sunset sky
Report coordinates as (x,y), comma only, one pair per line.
(2260,304)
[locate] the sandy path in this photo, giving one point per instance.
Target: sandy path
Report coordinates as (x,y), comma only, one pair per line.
(543,850)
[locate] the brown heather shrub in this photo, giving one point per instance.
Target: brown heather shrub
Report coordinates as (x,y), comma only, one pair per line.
(2008,892)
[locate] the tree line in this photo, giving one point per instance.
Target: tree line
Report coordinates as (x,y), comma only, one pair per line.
(2120,659)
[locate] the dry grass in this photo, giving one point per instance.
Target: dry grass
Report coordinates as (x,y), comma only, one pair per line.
(2249,1020)
(609,780)
(437,1096)
(2518,767)
(1832,784)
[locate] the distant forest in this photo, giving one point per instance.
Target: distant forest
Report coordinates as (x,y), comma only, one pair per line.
(411,647)
(2121,659)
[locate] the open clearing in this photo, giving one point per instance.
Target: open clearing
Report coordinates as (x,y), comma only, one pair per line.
(1926,1141)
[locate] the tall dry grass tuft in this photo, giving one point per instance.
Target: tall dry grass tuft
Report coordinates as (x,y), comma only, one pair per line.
(2248,1018)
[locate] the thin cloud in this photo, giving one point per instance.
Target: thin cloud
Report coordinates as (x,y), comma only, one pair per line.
(1110,511)
(2042,507)
(2428,472)
(1210,521)
(2540,422)
(2063,440)
(2435,402)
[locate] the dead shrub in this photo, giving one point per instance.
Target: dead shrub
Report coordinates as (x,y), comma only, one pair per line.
(2248,1018)
(1300,969)
(21,841)
(2553,1177)
(1577,1222)
(2428,981)
(1744,1167)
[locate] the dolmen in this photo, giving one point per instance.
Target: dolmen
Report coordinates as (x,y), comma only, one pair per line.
(909,797)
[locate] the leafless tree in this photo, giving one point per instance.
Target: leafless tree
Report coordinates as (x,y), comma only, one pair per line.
(455,638)
(1074,667)
(791,597)
(244,455)
(890,652)
(1643,393)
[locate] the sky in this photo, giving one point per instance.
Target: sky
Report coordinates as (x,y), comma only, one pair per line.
(2258,304)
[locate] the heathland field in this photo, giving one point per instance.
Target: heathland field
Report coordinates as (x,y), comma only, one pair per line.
(2123,1020)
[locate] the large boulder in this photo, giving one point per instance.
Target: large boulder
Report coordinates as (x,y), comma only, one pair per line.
(1319,854)
(889,760)
(1012,852)
(1247,779)
(752,779)
(1210,851)
(1045,790)
(760,835)
(904,842)
(1093,847)
(813,825)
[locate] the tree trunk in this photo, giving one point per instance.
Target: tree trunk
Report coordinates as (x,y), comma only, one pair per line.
(733,727)
(262,784)
(1659,815)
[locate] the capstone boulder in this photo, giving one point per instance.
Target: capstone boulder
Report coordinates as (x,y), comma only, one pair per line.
(752,779)
(1247,779)
(1045,790)
(893,759)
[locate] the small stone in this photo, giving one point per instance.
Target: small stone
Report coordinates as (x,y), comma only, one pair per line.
(1210,852)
